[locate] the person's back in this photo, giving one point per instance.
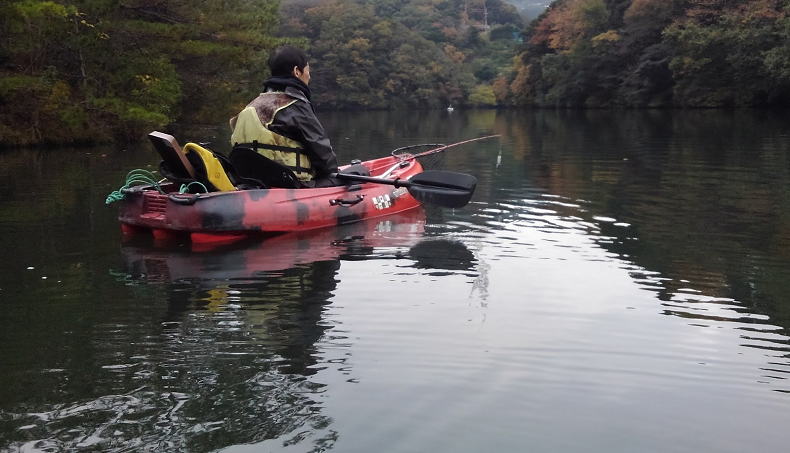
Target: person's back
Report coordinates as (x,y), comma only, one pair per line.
(281,123)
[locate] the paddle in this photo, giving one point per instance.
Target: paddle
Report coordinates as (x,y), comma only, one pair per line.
(444,188)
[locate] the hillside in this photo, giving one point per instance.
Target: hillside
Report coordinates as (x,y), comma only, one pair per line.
(654,53)
(405,53)
(93,70)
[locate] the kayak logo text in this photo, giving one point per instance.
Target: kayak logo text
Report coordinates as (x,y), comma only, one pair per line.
(382,202)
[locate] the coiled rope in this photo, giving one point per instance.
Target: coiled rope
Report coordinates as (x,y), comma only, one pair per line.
(134,177)
(140,176)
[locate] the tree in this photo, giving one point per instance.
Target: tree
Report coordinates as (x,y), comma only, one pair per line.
(94,70)
(482,96)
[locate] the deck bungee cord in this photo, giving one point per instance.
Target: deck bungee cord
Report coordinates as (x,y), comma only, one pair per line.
(185,187)
(140,176)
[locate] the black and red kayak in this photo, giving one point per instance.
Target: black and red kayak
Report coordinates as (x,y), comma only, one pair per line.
(385,186)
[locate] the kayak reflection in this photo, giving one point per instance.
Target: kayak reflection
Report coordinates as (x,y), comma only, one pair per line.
(248,262)
(226,346)
(234,355)
(245,331)
(275,290)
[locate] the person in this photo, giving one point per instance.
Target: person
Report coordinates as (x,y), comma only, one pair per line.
(281,123)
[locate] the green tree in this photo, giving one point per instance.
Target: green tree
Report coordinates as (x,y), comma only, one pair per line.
(722,63)
(94,70)
(482,96)
(362,60)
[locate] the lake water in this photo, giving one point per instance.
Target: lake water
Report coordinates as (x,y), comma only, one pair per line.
(620,282)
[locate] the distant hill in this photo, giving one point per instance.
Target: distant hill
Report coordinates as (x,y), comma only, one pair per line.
(530,9)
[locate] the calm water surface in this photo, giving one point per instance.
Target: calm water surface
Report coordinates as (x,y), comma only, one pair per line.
(619,283)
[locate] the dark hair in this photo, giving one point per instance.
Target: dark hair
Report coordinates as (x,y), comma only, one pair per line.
(283,60)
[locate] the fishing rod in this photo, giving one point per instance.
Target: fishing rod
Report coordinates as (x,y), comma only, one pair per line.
(400,154)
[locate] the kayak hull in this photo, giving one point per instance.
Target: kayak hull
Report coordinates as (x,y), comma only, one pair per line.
(228,216)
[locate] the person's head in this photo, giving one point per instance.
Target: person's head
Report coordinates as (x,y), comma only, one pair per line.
(290,61)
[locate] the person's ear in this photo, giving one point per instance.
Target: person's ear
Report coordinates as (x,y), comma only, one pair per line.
(296,71)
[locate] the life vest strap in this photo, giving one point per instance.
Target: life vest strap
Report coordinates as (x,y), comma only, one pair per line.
(298,168)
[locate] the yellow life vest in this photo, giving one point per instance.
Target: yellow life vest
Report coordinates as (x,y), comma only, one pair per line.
(250,127)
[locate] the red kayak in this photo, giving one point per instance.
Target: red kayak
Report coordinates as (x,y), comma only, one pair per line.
(220,216)
(375,188)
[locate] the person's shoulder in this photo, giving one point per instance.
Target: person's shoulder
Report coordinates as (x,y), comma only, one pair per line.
(297,94)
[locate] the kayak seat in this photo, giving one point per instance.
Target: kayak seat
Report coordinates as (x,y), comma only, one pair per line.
(186,165)
(250,164)
(174,161)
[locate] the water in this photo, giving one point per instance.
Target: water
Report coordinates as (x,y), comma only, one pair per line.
(619,283)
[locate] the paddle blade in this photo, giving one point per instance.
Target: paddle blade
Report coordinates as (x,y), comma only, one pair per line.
(444,188)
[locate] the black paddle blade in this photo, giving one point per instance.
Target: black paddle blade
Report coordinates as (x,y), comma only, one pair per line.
(444,188)
(448,179)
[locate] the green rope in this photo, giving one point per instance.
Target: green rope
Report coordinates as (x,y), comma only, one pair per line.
(185,187)
(137,176)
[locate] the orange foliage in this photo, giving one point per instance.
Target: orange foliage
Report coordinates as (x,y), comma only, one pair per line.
(520,85)
(707,11)
(563,27)
(456,55)
(762,10)
(501,90)
(648,10)
(450,32)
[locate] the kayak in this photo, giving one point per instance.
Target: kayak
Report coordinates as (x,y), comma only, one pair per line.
(248,194)
(232,215)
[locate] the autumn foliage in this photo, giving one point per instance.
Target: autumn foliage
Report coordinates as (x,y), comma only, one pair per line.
(406,54)
(656,53)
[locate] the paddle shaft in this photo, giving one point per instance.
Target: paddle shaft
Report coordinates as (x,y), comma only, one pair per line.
(397,182)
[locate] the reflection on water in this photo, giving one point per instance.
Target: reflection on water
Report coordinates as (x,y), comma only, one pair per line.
(618,283)
(700,296)
(228,357)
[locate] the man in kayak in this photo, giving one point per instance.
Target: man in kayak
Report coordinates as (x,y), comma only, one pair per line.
(281,123)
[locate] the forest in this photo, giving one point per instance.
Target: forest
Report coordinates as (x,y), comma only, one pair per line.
(654,53)
(82,71)
(102,70)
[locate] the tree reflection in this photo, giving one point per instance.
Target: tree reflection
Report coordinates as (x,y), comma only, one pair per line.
(243,327)
(228,349)
(222,348)
(706,194)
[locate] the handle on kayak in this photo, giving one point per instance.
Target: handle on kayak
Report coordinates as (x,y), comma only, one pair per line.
(346,203)
(188,200)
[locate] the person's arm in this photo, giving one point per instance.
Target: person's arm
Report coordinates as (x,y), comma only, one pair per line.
(307,130)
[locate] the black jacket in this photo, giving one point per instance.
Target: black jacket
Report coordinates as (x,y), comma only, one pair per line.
(299,122)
